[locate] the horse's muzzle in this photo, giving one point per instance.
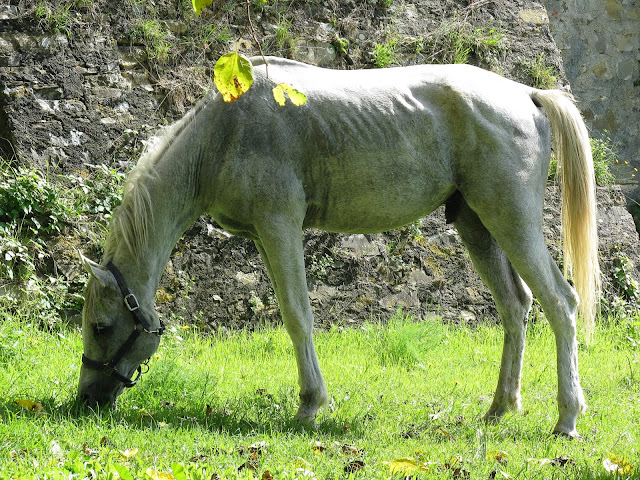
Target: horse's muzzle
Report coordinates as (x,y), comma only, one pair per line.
(99,392)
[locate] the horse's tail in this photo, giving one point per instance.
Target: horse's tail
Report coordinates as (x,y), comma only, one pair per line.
(577,181)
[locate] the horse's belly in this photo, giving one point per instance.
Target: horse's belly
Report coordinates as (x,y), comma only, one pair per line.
(366,204)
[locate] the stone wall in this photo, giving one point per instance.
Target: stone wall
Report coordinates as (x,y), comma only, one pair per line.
(91,94)
(600,44)
(68,100)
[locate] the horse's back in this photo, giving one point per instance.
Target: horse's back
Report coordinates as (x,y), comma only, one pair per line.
(371,149)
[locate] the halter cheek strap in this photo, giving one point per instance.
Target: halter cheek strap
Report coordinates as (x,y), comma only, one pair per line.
(142,326)
(131,302)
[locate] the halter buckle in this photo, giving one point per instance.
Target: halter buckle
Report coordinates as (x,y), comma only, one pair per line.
(131,302)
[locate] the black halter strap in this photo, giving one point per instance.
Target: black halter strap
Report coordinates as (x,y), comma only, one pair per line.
(142,326)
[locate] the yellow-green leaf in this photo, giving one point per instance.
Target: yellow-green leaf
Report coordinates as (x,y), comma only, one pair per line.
(614,463)
(499,456)
(233,76)
(128,453)
(407,466)
(199,5)
(29,405)
(297,97)
(155,475)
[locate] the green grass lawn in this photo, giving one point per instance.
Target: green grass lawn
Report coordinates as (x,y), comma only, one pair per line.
(406,397)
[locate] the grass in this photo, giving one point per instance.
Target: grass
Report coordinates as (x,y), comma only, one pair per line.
(543,75)
(221,407)
(457,41)
(154,37)
(384,54)
(605,155)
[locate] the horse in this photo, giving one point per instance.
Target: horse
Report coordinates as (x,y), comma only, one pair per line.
(370,151)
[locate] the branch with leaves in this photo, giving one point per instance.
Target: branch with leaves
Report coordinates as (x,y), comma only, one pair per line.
(233,73)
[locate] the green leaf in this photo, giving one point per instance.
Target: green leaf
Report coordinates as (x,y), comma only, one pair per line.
(297,97)
(178,471)
(123,471)
(233,76)
(199,5)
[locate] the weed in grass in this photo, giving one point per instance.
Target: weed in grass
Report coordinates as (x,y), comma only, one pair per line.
(456,41)
(98,190)
(28,202)
(623,299)
(30,211)
(207,35)
(284,38)
(319,266)
(34,215)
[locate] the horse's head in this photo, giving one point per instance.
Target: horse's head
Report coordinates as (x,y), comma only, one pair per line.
(118,334)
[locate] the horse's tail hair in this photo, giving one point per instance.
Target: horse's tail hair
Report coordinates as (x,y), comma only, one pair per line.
(577,181)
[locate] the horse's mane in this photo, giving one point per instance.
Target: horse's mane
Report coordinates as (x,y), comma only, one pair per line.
(132,219)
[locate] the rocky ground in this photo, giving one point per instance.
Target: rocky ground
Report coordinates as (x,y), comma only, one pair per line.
(89,83)
(216,280)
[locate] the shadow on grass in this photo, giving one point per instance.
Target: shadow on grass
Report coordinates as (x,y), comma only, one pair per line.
(245,415)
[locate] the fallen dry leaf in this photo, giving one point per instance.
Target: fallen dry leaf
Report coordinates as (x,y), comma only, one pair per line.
(407,466)
(318,447)
(250,464)
(561,461)
(499,456)
(347,448)
(445,433)
(616,464)
(199,458)
(29,405)
(89,451)
(354,466)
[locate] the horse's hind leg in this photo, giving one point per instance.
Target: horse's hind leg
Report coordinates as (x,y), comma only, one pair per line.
(513,300)
(280,245)
(518,230)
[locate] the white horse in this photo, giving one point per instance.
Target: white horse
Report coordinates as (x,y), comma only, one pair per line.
(370,151)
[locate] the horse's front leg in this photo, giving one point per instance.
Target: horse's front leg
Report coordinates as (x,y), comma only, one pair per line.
(280,245)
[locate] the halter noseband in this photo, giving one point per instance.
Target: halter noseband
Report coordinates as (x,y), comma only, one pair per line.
(131,302)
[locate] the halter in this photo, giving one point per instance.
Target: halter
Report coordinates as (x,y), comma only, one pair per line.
(131,302)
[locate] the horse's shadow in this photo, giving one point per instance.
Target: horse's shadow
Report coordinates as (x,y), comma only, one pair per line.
(219,417)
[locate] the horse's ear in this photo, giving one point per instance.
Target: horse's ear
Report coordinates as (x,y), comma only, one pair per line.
(101,274)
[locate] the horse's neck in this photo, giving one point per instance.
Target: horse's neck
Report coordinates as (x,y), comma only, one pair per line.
(173,207)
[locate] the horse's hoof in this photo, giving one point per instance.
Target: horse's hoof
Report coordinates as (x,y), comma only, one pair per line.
(308,421)
(571,435)
(491,418)
(495,414)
